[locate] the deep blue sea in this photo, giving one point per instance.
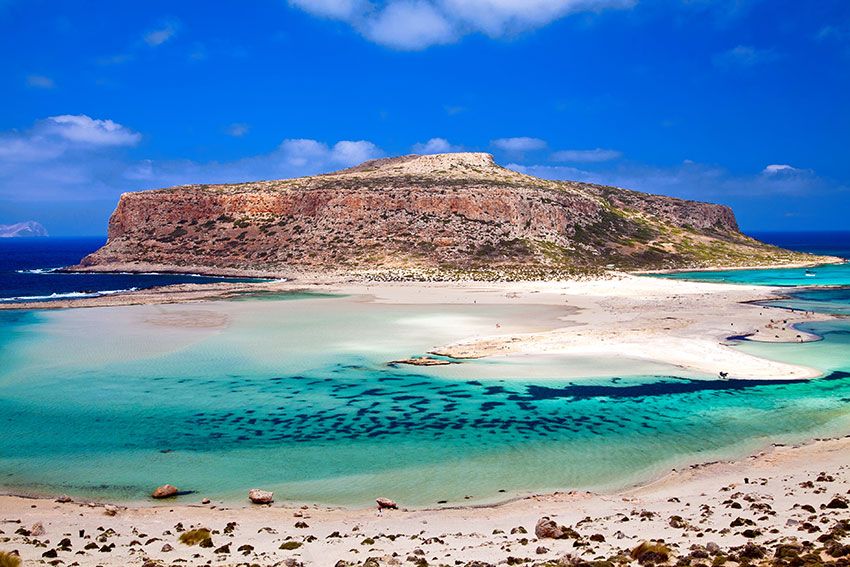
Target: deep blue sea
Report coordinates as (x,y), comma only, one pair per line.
(828,243)
(27,264)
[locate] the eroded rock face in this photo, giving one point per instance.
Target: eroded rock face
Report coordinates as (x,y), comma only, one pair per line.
(445,212)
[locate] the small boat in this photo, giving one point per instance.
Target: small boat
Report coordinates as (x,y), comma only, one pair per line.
(810,274)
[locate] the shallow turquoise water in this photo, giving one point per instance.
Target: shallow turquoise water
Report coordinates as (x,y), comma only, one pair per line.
(826,275)
(833,300)
(296,396)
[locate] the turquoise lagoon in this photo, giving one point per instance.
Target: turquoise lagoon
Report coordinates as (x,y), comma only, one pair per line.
(294,394)
(825,275)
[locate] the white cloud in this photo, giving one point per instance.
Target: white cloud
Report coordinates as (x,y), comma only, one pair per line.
(60,135)
(744,56)
(418,24)
(436,146)
(237,129)
(84,129)
(519,144)
(500,17)
(410,25)
(341,9)
(163,33)
(349,153)
(690,180)
(67,156)
(78,158)
(586,156)
(40,82)
(776,169)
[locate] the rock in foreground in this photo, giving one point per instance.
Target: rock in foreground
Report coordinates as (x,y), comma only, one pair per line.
(164,491)
(258,496)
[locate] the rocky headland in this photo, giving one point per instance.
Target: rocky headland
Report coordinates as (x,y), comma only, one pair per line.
(446,216)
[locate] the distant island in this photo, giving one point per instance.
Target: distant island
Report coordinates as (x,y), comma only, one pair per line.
(22,230)
(444,216)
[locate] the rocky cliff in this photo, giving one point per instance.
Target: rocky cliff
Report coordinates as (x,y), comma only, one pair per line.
(449,214)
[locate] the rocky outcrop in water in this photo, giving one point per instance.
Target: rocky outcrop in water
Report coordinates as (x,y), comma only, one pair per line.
(448,214)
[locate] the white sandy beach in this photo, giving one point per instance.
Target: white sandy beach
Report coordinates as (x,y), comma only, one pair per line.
(680,323)
(703,511)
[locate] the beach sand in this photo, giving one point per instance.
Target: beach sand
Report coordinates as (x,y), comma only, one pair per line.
(680,323)
(784,495)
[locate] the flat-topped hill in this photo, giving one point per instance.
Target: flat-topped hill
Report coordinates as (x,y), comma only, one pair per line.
(447,214)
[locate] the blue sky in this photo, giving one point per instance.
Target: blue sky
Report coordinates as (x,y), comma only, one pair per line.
(742,102)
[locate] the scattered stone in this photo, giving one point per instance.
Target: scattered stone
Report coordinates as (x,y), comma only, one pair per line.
(258,496)
(36,530)
(199,536)
(290,545)
(386,504)
(223,549)
(837,503)
(650,552)
(164,491)
(166,548)
(547,528)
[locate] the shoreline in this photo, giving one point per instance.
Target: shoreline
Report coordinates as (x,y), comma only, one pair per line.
(298,280)
(663,476)
(294,273)
(680,323)
(823,261)
(682,507)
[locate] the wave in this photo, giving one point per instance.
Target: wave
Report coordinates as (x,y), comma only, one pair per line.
(67,295)
(38,271)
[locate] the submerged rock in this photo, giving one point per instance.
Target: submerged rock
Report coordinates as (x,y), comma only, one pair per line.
(423,361)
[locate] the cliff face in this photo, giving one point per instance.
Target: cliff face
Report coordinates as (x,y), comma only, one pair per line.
(448,212)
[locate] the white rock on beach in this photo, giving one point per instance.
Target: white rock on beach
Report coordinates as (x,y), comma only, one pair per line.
(258,496)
